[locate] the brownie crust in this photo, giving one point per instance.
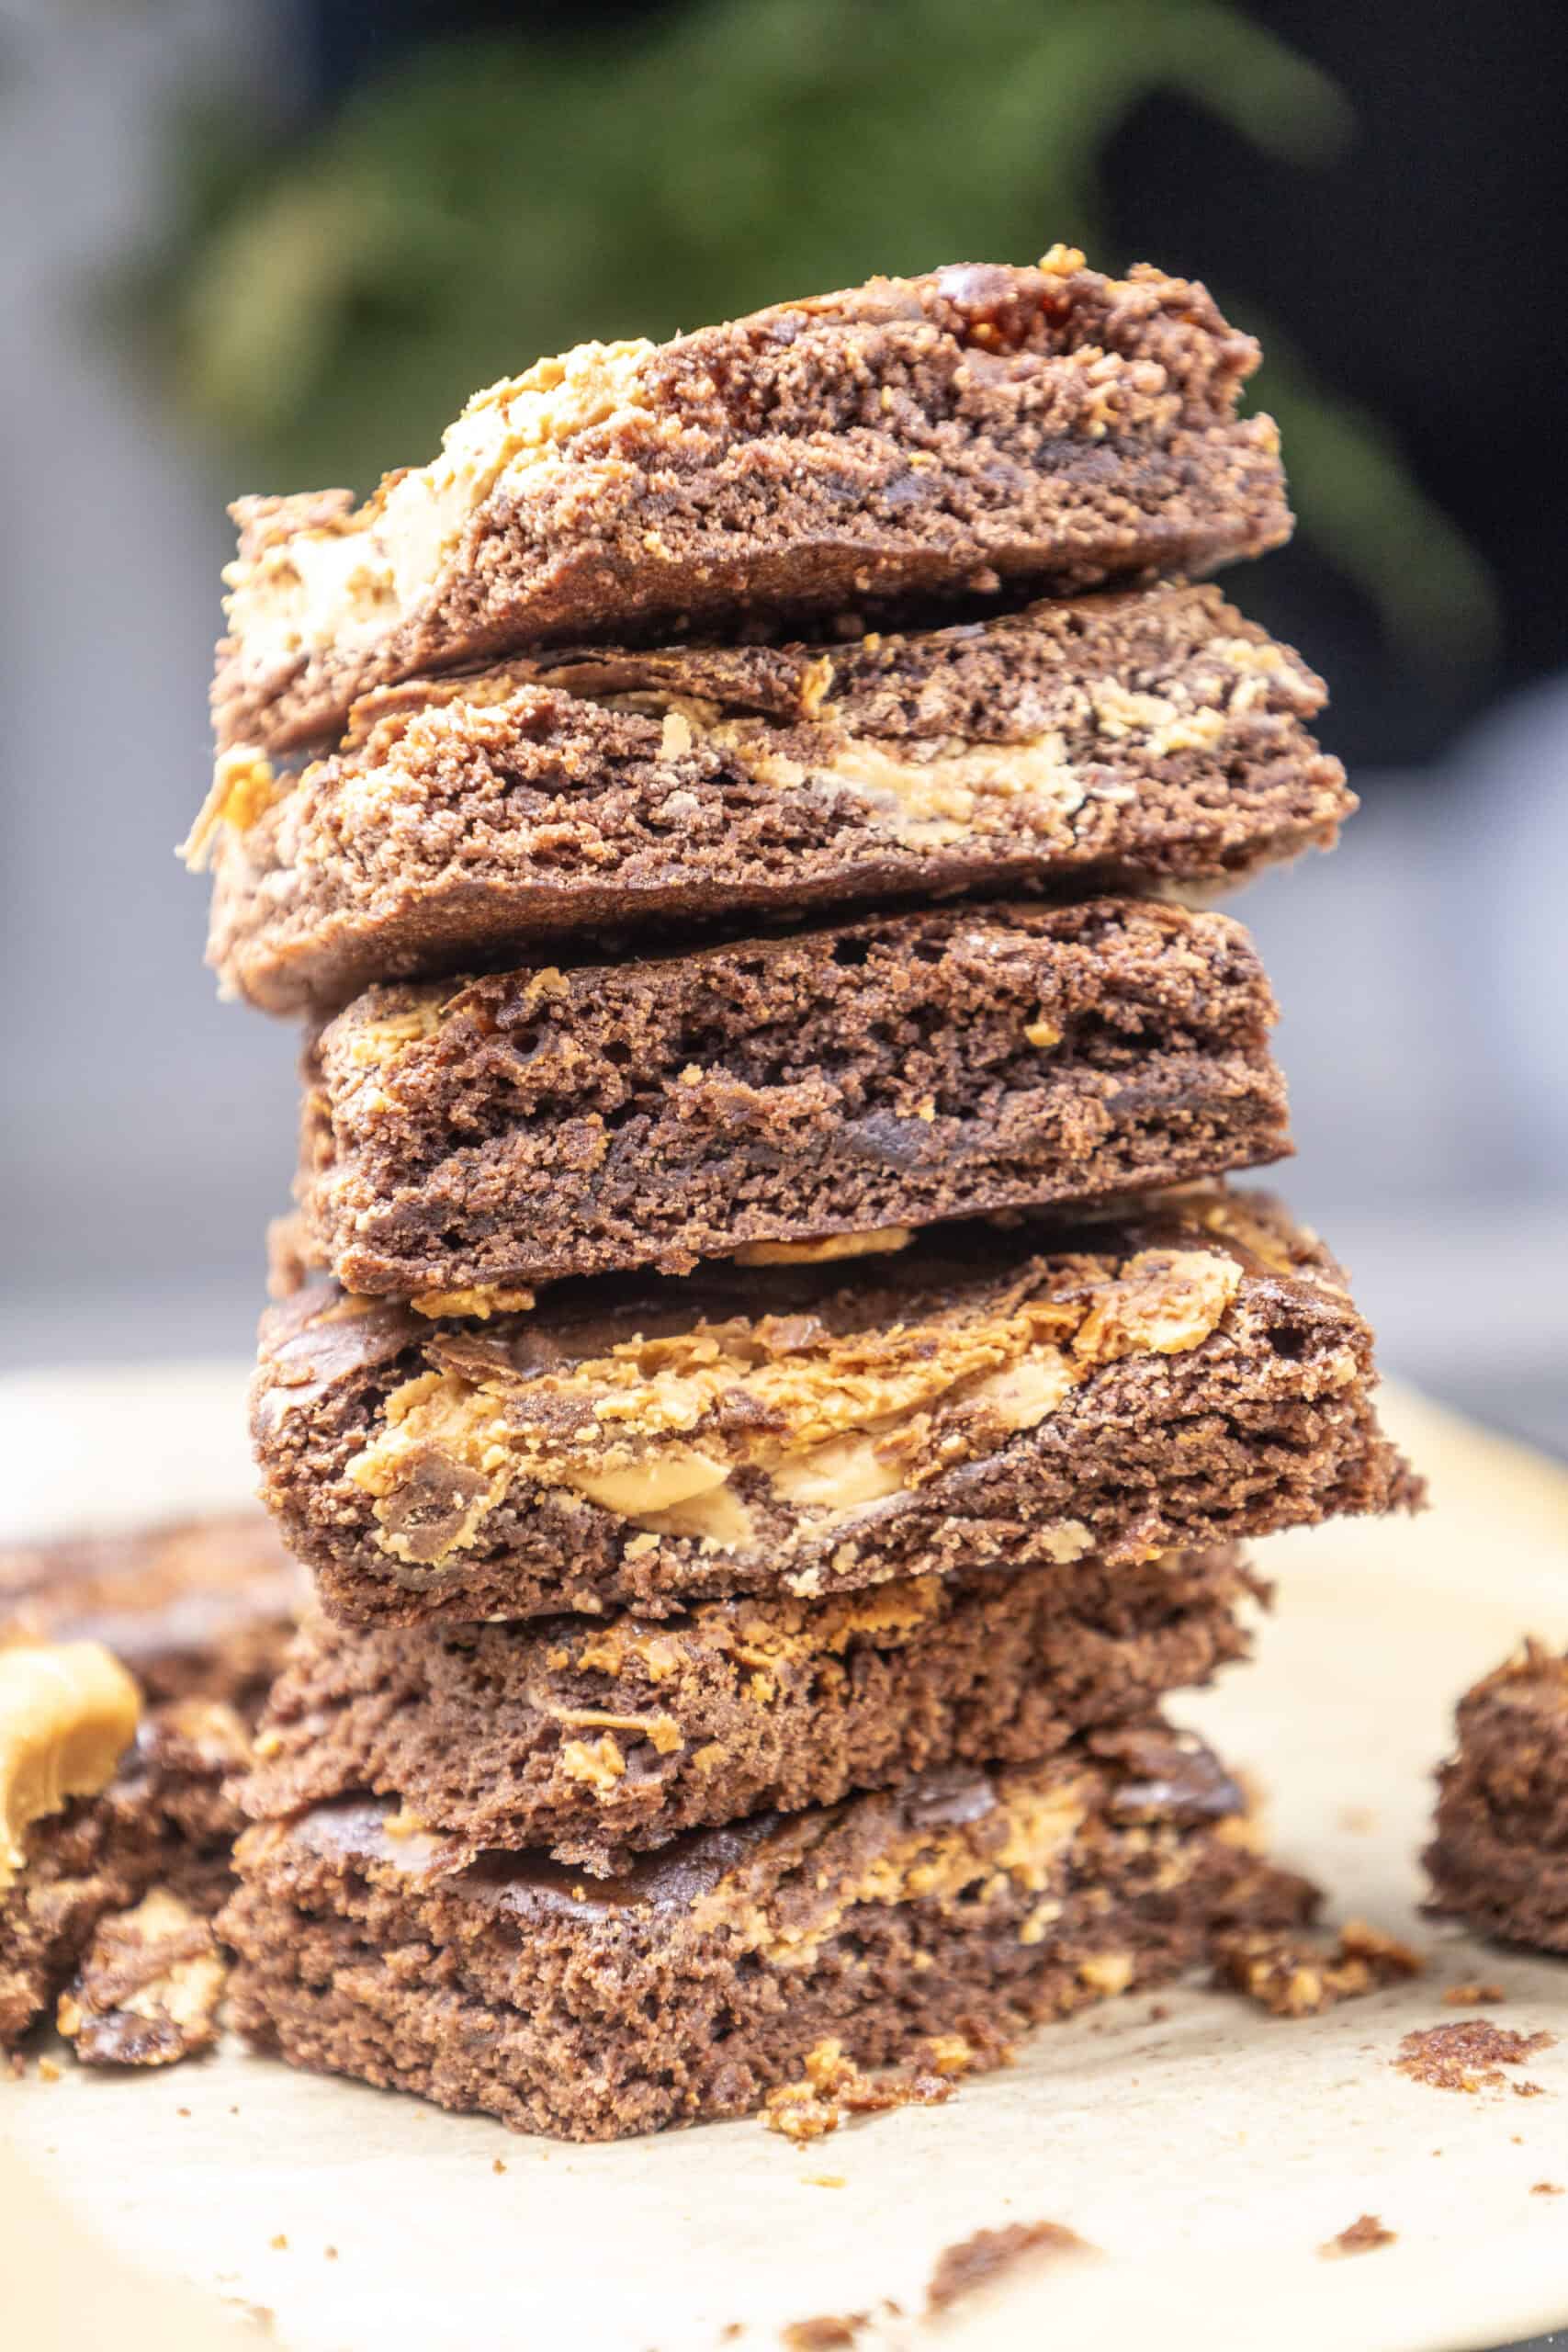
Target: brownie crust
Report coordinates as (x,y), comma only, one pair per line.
(931,437)
(596,1740)
(860,1080)
(200,1609)
(976,1903)
(165,1821)
(1191,1374)
(1500,1857)
(1124,739)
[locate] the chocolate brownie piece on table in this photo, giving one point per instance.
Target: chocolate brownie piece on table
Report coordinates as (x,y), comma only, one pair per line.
(202,1607)
(1124,739)
(594,1739)
(938,435)
(1191,1372)
(970,1903)
(102,1804)
(850,1081)
(1500,1857)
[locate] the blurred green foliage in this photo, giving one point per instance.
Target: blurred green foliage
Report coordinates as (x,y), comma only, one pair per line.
(327,307)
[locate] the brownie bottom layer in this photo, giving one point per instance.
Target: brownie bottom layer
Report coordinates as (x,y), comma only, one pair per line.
(970,1904)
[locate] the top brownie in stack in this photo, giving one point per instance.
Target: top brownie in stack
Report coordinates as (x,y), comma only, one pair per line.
(934,437)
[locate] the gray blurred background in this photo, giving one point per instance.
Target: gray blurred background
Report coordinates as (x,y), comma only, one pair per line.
(248,246)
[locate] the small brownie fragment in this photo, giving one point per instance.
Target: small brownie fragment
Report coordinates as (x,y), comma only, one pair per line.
(595,1738)
(972,1903)
(1500,1857)
(147,1992)
(857,1080)
(934,437)
(165,1821)
(1188,1373)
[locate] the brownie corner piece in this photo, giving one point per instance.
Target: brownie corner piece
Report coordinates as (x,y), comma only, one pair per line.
(782,1093)
(1188,1373)
(1499,1857)
(979,1903)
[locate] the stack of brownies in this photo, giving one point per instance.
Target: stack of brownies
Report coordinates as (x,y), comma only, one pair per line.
(766,1377)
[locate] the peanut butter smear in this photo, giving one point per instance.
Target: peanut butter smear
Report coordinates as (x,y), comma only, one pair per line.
(68,1712)
(354,578)
(655,1430)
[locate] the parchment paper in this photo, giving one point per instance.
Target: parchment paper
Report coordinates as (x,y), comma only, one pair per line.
(1207,2155)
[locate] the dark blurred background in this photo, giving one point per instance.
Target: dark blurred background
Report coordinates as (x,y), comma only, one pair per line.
(251,245)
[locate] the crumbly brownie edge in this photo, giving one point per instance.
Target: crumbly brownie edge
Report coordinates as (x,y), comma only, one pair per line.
(885,1073)
(595,1741)
(592,2012)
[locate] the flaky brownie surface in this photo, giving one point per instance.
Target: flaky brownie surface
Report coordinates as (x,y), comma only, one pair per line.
(858,1079)
(199,1607)
(931,436)
(960,1902)
(1500,1857)
(1189,1373)
(1137,739)
(594,1739)
(165,1822)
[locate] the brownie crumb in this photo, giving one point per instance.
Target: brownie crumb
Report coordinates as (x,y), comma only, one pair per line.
(1296,1976)
(1467,2056)
(824,2335)
(833,2086)
(1158,2012)
(1469,1996)
(1546,2188)
(975,2261)
(1364,2235)
(260,2316)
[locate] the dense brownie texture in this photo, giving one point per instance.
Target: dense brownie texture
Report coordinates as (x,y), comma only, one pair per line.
(1189,1374)
(960,1902)
(593,1740)
(1119,741)
(203,1607)
(165,1821)
(877,1075)
(935,435)
(1500,1857)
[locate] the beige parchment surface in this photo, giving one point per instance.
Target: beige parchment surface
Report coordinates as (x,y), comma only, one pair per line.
(1207,2155)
